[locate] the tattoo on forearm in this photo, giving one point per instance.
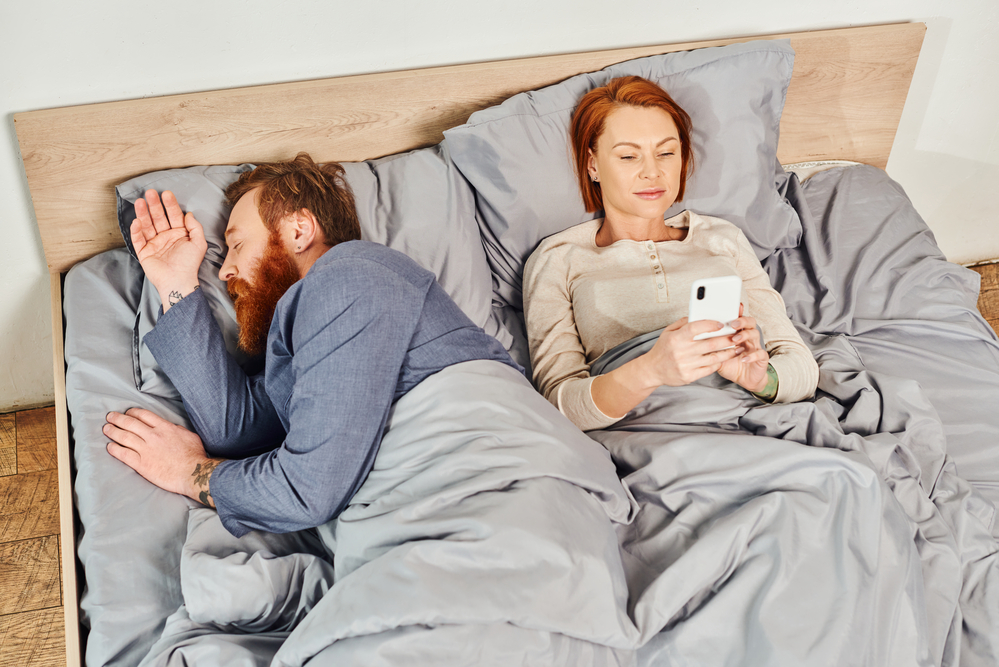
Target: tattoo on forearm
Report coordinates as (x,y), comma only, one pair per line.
(202,474)
(174,297)
(769,392)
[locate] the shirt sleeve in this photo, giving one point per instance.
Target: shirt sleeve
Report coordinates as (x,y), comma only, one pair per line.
(347,335)
(229,409)
(797,371)
(558,360)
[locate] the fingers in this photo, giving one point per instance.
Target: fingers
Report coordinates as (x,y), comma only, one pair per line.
(150,419)
(743,322)
(758,356)
(194,228)
(680,323)
(175,216)
(127,456)
(156,212)
(698,327)
(142,226)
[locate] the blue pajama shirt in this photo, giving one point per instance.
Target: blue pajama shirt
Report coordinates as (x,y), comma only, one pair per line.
(364,326)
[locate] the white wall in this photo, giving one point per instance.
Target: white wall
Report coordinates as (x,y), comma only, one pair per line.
(65,53)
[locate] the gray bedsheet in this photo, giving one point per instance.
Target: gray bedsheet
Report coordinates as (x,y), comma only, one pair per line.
(852,529)
(776,528)
(486,508)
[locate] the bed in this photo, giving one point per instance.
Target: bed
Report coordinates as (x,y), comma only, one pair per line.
(858,527)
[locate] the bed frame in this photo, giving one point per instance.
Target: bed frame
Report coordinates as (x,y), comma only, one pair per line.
(844,102)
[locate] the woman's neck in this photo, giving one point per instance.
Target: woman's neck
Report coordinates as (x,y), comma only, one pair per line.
(612,231)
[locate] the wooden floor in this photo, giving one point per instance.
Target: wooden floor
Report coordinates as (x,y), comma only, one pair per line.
(31,621)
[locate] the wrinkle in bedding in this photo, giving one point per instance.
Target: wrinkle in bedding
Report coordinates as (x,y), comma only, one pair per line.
(845,530)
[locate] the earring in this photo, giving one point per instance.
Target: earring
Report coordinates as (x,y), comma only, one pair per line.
(298,248)
(595,178)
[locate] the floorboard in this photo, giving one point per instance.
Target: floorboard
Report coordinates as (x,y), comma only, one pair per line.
(32,633)
(8,445)
(33,638)
(36,440)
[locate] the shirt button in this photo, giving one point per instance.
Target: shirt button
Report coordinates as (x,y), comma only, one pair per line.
(660,285)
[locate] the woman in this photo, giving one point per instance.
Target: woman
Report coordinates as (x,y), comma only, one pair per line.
(604,282)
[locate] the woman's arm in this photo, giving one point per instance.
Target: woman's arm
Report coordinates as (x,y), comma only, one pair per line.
(562,372)
(796,369)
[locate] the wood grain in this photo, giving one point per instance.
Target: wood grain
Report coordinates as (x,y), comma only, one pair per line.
(844,102)
(33,639)
(29,575)
(29,506)
(8,445)
(988,295)
(36,440)
(67,528)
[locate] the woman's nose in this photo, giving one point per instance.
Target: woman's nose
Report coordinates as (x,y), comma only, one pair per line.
(650,168)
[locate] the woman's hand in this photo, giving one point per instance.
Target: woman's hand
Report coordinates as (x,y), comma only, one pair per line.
(169,245)
(675,360)
(749,368)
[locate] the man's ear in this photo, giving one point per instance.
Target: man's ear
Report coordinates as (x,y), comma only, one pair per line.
(304,230)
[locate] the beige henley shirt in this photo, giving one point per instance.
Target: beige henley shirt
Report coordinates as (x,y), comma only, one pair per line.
(581,300)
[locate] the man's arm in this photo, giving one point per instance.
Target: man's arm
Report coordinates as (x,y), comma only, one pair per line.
(346,332)
(229,409)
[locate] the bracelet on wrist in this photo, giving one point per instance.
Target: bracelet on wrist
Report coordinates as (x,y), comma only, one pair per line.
(769,391)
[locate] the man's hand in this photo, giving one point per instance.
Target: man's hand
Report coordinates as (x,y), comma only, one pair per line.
(169,456)
(169,245)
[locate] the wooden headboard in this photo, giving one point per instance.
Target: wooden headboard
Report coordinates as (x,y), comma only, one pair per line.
(844,102)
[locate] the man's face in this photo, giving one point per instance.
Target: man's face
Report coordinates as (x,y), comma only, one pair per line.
(258,270)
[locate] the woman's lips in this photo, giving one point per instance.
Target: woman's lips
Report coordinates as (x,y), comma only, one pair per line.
(650,193)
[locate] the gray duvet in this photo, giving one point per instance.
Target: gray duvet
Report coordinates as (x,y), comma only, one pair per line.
(852,529)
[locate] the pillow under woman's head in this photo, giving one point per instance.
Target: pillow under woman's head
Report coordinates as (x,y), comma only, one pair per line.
(517,157)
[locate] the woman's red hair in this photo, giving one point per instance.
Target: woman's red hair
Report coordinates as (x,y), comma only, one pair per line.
(591,114)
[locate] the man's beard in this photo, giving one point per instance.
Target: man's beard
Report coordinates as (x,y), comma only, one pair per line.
(255,302)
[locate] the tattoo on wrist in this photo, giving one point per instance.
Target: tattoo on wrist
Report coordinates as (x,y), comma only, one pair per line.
(174,296)
(769,391)
(202,475)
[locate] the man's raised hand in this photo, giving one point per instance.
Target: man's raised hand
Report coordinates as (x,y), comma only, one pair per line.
(170,246)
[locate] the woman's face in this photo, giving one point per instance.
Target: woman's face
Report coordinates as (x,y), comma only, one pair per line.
(637,162)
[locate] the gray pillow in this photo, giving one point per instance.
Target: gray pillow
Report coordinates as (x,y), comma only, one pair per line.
(416,202)
(419,204)
(200,190)
(517,158)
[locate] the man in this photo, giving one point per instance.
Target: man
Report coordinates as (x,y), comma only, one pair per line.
(346,326)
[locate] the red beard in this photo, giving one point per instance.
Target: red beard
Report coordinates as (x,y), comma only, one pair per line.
(255,302)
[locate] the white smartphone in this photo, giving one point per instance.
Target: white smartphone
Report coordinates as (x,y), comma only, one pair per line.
(715,299)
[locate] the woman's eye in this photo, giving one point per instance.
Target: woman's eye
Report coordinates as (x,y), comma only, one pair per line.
(665,154)
(627,157)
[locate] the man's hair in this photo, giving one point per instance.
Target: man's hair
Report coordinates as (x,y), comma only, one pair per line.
(293,185)
(591,114)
